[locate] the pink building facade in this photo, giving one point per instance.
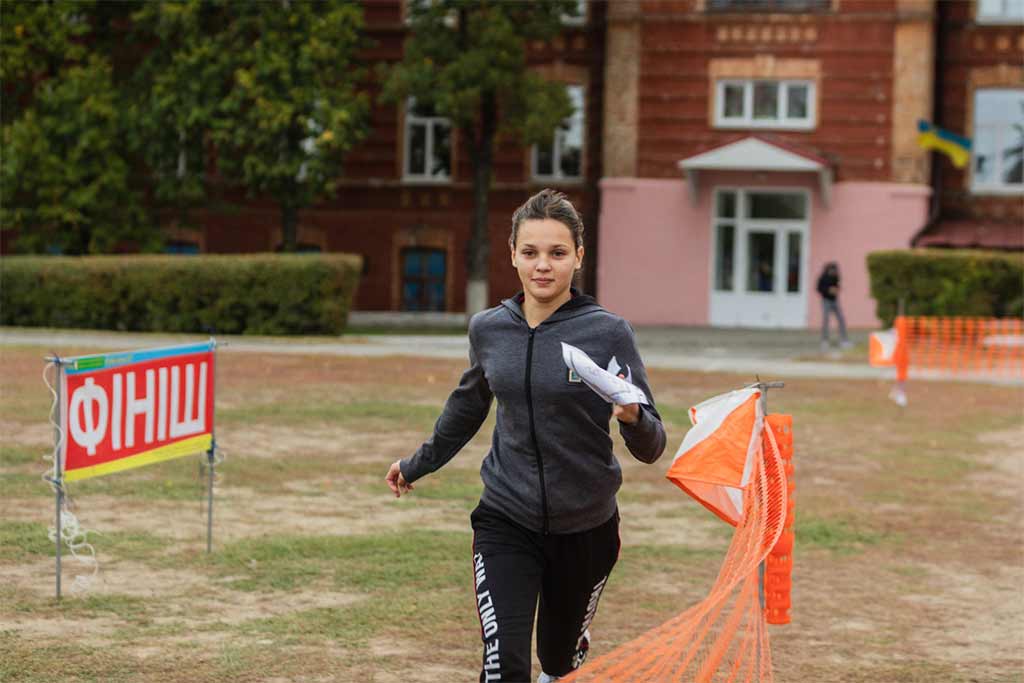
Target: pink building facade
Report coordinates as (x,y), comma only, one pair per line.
(660,248)
(747,144)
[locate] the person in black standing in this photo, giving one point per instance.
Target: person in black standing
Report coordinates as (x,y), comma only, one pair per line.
(546,530)
(828,287)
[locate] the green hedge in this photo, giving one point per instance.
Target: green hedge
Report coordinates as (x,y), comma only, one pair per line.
(945,282)
(251,294)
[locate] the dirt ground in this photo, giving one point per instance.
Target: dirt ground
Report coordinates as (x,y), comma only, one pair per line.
(909,553)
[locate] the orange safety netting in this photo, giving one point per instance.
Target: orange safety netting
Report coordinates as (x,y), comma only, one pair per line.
(958,345)
(724,638)
(778,567)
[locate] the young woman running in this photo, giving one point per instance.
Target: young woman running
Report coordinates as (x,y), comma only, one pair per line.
(547,525)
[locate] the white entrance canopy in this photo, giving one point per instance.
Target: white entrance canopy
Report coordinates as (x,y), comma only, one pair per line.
(756,154)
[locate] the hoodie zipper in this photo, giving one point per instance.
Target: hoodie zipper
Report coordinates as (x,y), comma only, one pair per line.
(533,431)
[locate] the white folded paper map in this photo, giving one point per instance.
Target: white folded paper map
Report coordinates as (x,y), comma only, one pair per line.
(605,383)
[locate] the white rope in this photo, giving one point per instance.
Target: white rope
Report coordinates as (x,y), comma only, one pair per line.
(71,532)
(77,540)
(53,475)
(219,456)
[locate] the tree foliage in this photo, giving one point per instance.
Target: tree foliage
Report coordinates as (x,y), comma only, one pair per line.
(37,39)
(273,87)
(461,52)
(66,176)
(113,108)
(468,59)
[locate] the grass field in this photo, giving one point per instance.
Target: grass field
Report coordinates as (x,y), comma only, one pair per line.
(909,563)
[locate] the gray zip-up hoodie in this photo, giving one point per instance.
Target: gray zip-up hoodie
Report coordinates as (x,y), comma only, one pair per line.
(550,467)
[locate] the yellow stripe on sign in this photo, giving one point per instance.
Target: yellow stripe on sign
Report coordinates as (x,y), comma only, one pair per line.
(197,444)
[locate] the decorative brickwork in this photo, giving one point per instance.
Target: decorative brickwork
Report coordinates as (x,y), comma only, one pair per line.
(622,78)
(913,83)
(305,235)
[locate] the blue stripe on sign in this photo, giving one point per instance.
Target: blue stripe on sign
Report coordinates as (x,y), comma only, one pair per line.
(128,357)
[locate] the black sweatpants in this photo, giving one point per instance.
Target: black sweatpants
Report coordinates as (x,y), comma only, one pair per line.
(512,567)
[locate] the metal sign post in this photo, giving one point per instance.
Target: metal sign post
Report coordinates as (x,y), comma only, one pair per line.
(209,499)
(211,462)
(58,467)
(60,504)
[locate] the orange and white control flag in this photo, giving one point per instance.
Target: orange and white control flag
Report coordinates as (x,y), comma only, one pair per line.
(882,348)
(716,459)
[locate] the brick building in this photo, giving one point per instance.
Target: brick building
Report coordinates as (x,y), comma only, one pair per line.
(405,200)
(722,152)
(980,81)
(793,123)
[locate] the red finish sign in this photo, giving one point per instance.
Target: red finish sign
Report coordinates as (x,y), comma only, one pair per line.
(121,411)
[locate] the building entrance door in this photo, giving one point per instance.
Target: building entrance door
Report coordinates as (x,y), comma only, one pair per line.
(759,258)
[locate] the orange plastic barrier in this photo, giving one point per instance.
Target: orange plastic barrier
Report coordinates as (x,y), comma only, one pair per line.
(778,570)
(725,636)
(962,346)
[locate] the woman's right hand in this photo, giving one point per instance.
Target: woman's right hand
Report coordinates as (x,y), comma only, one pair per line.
(396,482)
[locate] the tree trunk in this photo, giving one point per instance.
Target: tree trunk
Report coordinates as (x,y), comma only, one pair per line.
(289,209)
(289,221)
(481,153)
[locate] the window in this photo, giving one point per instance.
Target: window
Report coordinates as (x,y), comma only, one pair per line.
(300,248)
(998,145)
(308,145)
(723,257)
(428,154)
(1000,11)
(760,261)
(725,240)
(423,279)
(579,17)
(768,5)
(181,247)
(768,205)
(182,155)
(793,242)
(425,7)
(562,159)
(765,104)
(188,167)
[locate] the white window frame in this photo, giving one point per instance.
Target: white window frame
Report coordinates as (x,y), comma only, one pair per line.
(309,146)
(783,122)
(581,15)
(431,122)
(450,19)
(182,167)
(999,187)
(556,151)
(732,308)
(1003,16)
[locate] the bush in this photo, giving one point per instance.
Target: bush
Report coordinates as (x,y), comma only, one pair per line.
(251,294)
(943,282)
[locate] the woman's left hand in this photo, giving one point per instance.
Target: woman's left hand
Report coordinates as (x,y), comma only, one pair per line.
(630,413)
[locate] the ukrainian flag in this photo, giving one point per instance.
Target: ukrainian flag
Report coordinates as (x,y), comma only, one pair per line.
(957,148)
